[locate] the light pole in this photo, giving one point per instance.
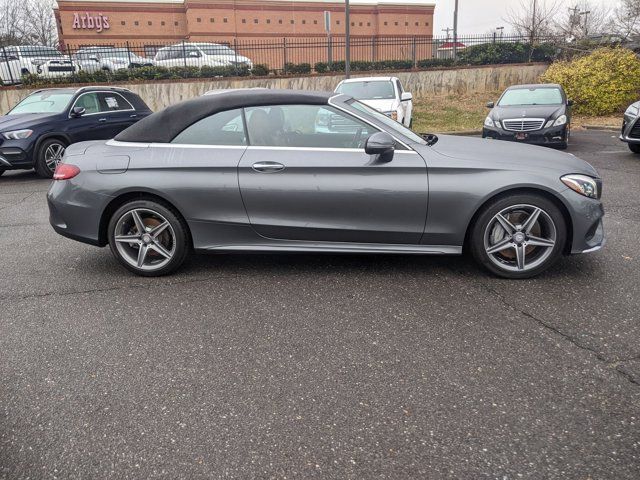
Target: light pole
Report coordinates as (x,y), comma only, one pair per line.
(455,31)
(347,38)
(586,18)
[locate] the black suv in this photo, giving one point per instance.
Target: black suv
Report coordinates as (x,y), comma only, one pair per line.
(35,133)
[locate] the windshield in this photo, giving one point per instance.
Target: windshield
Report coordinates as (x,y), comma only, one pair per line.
(39,52)
(531,96)
(216,50)
(43,102)
(392,125)
(376,90)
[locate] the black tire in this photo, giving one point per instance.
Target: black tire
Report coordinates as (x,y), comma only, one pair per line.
(2,170)
(634,147)
(179,246)
(42,166)
(550,225)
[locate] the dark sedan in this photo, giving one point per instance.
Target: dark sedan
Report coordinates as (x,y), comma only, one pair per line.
(36,132)
(281,170)
(536,114)
(630,133)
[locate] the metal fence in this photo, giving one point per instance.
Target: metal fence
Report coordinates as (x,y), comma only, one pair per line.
(131,60)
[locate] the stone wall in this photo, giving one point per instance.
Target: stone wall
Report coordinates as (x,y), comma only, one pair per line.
(423,83)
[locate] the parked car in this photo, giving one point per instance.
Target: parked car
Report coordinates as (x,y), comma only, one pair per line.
(385,94)
(200,55)
(109,59)
(36,132)
(250,171)
(10,71)
(40,60)
(631,127)
(536,114)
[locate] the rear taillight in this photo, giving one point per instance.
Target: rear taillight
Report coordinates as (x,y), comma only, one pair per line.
(65,171)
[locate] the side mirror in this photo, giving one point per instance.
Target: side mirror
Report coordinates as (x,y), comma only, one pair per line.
(569,102)
(380,144)
(490,104)
(78,111)
(406,96)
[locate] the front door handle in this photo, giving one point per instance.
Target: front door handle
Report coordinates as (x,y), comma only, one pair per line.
(267,167)
(102,120)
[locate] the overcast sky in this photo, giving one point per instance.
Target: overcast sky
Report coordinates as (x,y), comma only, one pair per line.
(480,16)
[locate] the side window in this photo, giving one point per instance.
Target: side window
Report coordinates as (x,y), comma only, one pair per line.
(314,126)
(112,102)
(89,101)
(223,128)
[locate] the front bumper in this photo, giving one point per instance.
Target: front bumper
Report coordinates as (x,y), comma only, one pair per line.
(16,155)
(586,218)
(630,131)
(552,136)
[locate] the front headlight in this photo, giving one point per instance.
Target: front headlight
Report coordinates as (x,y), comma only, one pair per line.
(561,120)
(632,110)
(17,134)
(582,184)
(488,122)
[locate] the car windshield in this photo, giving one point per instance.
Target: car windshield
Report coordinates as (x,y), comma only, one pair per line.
(369,90)
(39,52)
(531,96)
(216,50)
(392,125)
(43,102)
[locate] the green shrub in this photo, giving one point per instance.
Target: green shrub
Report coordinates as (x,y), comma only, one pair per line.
(260,70)
(436,62)
(300,68)
(321,67)
(500,53)
(600,83)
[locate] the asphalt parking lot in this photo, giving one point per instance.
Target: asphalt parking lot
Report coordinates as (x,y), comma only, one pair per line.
(327,366)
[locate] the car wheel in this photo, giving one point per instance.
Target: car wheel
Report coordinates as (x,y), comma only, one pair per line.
(148,238)
(48,156)
(518,236)
(634,147)
(2,170)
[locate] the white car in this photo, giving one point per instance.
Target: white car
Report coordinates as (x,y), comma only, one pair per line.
(111,59)
(40,60)
(200,55)
(385,94)
(9,70)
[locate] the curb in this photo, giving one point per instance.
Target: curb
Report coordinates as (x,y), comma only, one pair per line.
(601,127)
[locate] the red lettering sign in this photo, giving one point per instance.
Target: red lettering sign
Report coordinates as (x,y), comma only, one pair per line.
(90,21)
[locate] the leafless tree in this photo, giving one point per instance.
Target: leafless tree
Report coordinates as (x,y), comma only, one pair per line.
(626,18)
(533,18)
(30,22)
(583,18)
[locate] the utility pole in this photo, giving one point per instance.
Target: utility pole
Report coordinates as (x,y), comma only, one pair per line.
(347,38)
(534,27)
(574,20)
(447,30)
(455,31)
(586,25)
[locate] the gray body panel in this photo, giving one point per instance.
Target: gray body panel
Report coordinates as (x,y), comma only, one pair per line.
(340,200)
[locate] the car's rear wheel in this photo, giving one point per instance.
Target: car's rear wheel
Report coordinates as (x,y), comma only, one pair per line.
(518,236)
(49,155)
(634,147)
(148,238)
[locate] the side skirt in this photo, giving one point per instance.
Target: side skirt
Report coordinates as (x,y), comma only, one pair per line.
(340,248)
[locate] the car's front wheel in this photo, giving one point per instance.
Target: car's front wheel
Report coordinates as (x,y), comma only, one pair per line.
(634,147)
(148,238)
(49,155)
(518,236)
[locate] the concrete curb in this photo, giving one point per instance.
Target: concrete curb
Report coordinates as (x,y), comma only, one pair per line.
(601,127)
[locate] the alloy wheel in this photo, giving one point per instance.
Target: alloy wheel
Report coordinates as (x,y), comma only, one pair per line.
(519,238)
(145,239)
(53,155)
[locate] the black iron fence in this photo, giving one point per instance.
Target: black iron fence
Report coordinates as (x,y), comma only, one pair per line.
(128,61)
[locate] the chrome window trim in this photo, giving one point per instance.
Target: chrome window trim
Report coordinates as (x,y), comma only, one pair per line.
(105,112)
(117,143)
(195,145)
(368,122)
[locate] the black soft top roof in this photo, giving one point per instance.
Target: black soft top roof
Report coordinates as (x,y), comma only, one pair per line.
(163,126)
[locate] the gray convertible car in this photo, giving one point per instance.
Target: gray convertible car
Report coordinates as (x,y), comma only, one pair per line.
(294,171)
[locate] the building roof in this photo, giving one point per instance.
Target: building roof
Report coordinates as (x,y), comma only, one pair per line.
(163,126)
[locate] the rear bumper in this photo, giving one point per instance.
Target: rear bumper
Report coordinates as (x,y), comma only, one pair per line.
(553,136)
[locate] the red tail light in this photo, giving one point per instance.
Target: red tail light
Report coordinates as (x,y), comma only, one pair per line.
(65,171)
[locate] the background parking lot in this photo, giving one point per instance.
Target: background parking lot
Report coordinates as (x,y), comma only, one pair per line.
(325,366)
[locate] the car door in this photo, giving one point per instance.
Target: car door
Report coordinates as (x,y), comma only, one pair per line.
(92,124)
(406,105)
(306,176)
(118,113)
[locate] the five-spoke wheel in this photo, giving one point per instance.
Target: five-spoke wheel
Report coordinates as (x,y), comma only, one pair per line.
(148,238)
(518,236)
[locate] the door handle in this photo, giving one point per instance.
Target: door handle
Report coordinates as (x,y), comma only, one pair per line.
(133,116)
(267,167)
(102,120)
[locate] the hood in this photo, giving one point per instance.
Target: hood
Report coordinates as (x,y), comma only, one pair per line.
(382,105)
(24,120)
(517,156)
(527,111)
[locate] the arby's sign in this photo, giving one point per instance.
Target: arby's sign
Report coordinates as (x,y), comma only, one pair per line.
(90,21)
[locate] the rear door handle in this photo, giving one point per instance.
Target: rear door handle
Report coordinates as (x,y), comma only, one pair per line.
(267,167)
(133,116)
(102,120)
